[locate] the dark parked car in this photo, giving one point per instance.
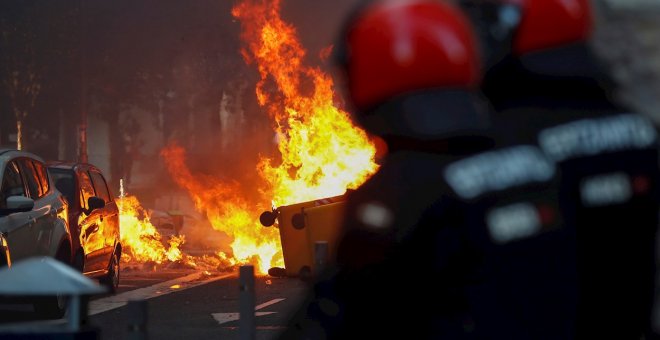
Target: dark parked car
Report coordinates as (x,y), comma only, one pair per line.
(93,219)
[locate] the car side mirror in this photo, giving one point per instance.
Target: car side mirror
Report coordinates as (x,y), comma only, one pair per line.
(94,203)
(19,204)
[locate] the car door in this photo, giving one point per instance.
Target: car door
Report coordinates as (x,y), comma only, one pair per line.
(91,235)
(109,215)
(17,227)
(43,215)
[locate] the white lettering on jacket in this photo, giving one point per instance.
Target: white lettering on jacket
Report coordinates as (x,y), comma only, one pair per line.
(498,170)
(594,136)
(607,189)
(513,222)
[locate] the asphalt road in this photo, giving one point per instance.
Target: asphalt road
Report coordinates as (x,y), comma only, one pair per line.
(180,304)
(195,305)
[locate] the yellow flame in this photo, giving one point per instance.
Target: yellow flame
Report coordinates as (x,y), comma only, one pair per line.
(322,152)
(140,240)
(228,212)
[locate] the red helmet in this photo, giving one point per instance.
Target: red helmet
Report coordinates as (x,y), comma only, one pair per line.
(551,23)
(394,47)
(522,26)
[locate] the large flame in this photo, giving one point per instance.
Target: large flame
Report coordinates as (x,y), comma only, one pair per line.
(228,212)
(323,153)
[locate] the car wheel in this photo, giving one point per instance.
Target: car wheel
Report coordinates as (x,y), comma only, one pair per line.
(53,307)
(111,280)
(79,262)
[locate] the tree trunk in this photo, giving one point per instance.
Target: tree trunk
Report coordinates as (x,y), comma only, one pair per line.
(19,134)
(117,161)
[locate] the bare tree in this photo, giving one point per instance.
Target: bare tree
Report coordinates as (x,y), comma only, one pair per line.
(22,78)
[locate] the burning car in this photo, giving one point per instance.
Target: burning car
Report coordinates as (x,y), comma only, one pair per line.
(32,218)
(93,220)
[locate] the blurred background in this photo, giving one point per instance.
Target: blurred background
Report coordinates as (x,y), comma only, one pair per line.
(141,74)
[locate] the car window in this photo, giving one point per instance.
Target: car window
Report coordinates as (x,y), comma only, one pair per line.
(86,189)
(31,177)
(100,186)
(12,184)
(64,183)
(43,176)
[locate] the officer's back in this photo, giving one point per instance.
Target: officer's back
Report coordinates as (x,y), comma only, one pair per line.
(453,237)
(548,90)
(417,94)
(517,264)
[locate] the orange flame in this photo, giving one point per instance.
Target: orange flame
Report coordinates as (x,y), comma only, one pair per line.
(142,243)
(323,153)
(228,212)
(140,240)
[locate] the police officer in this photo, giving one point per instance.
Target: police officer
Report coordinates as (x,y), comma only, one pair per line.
(549,89)
(453,237)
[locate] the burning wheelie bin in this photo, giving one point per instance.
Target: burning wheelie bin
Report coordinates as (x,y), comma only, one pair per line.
(301,225)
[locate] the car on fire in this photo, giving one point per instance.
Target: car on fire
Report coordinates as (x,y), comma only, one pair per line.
(93,220)
(32,218)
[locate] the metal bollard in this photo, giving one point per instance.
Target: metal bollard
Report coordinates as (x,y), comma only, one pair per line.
(247,322)
(84,311)
(73,317)
(320,257)
(137,320)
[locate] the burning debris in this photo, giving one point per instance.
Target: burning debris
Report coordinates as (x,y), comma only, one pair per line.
(145,248)
(322,153)
(227,211)
(142,242)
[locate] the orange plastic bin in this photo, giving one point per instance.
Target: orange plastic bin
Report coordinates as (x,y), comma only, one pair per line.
(295,238)
(323,224)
